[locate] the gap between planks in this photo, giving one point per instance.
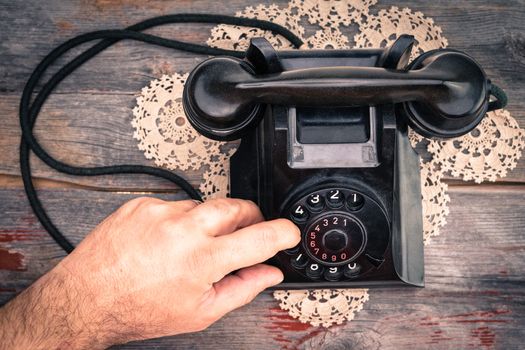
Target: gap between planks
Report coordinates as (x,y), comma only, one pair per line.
(15,182)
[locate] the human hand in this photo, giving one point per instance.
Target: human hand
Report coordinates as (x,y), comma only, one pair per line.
(151,269)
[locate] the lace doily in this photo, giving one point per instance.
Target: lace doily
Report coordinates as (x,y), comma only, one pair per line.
(388,25)
(328,38)
(165,135)
(485,154)
(435,200)
(238,38)
(332,13)
(322,307)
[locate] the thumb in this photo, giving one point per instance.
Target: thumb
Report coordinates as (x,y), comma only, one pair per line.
(238,289)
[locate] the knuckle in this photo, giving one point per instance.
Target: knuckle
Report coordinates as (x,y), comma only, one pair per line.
(251,204)
(156,210)
(133,204)
(226,207)
(127,209)
(151,207)
(187,204)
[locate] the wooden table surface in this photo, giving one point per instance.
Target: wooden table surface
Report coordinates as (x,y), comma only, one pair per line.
(475,286)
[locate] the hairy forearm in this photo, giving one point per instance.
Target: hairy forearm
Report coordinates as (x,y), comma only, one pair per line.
(151,269)
(52,314)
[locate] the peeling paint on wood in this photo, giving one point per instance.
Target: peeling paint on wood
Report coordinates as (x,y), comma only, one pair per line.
(11,260)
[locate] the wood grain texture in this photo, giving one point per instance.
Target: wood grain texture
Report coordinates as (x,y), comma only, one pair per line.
(475,286)
(474,294)
(92,110)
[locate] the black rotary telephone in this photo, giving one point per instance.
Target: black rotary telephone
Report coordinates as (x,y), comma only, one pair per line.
(324,141)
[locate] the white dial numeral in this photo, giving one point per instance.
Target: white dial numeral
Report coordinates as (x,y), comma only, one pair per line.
(299,210)
(315,199)
(335,195)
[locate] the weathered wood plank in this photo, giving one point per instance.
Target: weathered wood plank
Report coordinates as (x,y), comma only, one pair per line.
(83,135)
(95,130)
(474,294)
(495,37)
(492,27)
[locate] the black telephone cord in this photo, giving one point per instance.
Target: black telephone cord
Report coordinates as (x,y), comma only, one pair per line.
(29,111)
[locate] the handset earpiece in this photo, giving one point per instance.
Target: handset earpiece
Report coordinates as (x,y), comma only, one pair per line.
(443,93)
(214,105)
(464,103)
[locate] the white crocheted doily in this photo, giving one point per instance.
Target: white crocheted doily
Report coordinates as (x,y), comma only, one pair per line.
(165,135)
(322,307)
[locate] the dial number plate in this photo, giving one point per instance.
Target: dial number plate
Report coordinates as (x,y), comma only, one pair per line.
(334,239)
(342,229)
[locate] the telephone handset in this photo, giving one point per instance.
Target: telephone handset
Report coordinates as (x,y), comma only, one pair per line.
(324,143)
(443,93)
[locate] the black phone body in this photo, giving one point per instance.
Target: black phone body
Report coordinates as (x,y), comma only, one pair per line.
(347,176)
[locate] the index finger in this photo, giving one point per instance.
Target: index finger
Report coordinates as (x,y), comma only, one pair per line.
(252,245)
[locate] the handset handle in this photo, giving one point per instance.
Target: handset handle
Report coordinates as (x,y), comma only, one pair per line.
(341,86)
(444,93)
